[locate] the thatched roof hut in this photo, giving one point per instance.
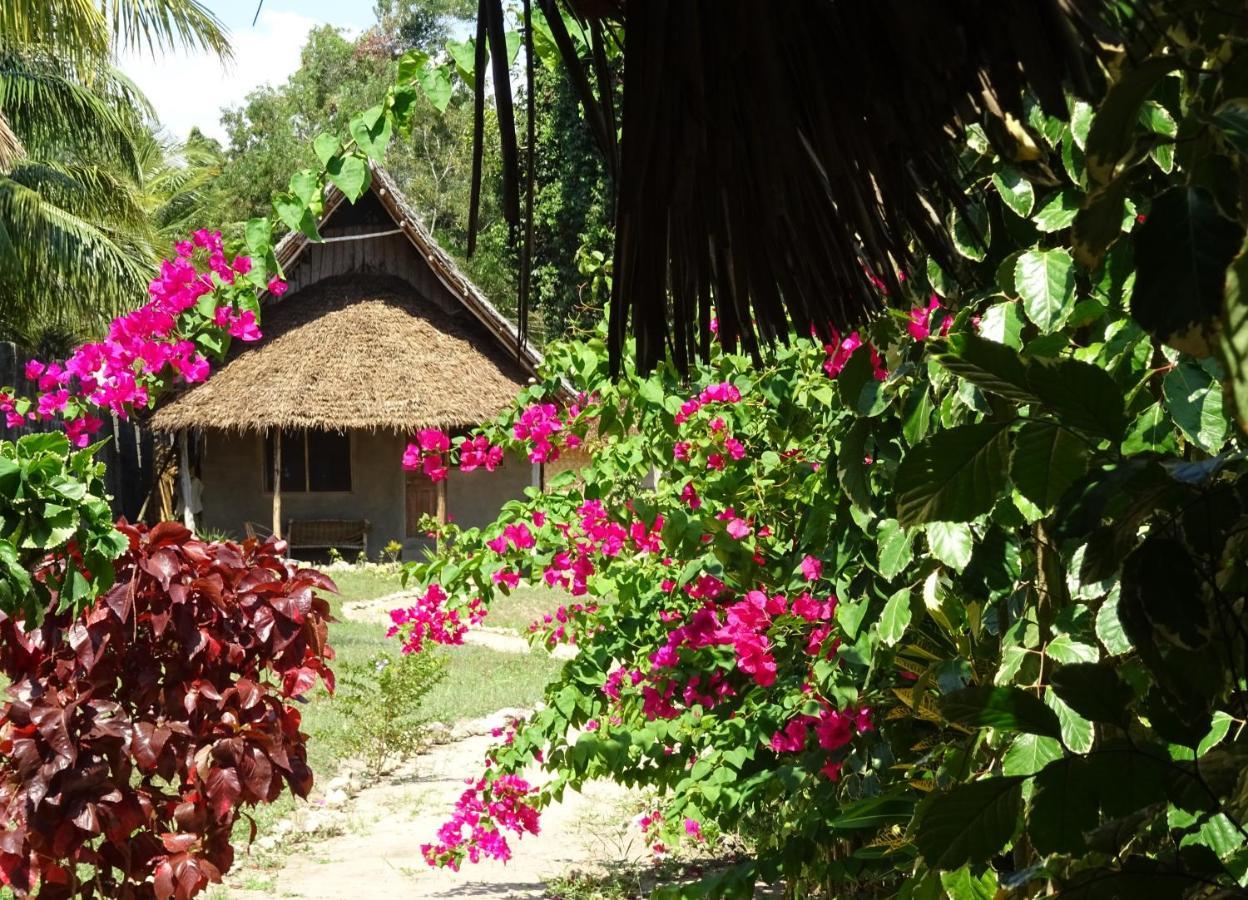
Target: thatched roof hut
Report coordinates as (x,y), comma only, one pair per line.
(356,352)
(380,334)
(370,335)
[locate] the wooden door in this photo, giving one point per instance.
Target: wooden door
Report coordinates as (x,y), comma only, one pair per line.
(421,500)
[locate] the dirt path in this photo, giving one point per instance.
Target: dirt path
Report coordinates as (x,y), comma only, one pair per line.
(377,850)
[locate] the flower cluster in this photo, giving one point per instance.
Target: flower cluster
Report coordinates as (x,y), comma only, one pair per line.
(832,729)
(482,815)
(150,346)
(430,619)
(842,348)
(921,325)
(539,428)
(427,453)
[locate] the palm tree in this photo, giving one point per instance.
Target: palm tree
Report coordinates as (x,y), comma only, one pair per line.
(78,164)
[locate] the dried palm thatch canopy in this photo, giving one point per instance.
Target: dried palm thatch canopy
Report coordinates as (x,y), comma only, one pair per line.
(776,156)
(355,352)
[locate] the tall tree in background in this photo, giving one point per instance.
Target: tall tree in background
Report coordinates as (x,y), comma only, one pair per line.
(76,242)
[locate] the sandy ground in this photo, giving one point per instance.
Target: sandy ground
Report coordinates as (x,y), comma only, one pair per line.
(378,852)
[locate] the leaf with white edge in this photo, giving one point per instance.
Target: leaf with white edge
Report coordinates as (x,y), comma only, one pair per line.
(1109,629)
(1029,753)
(893,542)
(1046,461)
(1015,190)
(1081,123)
(951,543)
(1194,400)
(1003,323)
(1077,732)
(1116,123)
(972,231)
(970,823)
(1059,212)
(895,618)
(953,476)
(1045,279)
(1221,727)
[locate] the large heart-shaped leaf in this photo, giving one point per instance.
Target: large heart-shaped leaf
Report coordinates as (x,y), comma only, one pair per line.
(991,706)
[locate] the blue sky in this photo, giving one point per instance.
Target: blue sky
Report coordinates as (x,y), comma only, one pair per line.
(190,89)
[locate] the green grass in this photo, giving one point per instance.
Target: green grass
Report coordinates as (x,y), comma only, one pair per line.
(524,606)
(366,584)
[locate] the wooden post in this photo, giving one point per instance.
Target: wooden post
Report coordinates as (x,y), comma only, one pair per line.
(184,469)
(442,502)
(277,483)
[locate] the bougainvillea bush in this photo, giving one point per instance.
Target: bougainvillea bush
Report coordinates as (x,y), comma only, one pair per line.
(138,732)
(953,605)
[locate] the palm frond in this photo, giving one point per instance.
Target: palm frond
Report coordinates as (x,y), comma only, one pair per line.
(11,149)
(50,109)
(166,24)
(90,192)
(75,29)
(54,264)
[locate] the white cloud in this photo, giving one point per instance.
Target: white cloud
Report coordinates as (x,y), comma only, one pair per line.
(191,89)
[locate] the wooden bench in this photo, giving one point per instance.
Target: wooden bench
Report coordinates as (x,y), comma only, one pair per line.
(327,534)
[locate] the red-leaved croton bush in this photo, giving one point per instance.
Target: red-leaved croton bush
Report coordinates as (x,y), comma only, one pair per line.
(136,734)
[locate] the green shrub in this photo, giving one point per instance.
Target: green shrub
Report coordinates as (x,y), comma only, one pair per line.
(383,699)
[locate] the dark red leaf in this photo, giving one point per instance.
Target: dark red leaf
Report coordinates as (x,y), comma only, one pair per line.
(178,843)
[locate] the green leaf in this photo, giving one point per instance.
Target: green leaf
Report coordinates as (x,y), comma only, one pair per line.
(372,131)
(1195,402)
(350,174)
(326,146)
(962,885)
(1081,123)
(465,55)
(1003,322)
(1045,279)
(851,471)
(305,185)
(1114,127)
(1046,461)
(1233,341)
(1100,223)
(971,231)
(1151,432)
(1009,708)
(1080,394)
(1063,806)
(849,615)
(1029,753)
(1109,629)
(1059,212)
(1182,252)
(970,823)
(987,364)
(1065,649)
(954,475)
(951,543)
(1094,690)
(894,548)
(873,812)
(1015,190)
(1076,731)
(896,617)
(435,81)
(258,234)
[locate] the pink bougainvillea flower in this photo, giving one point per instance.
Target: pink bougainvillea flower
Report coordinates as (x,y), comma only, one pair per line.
(812,569)
(277,286)
(738,529)
(694,829)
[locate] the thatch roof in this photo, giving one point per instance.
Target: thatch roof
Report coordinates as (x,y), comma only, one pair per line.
(355,352)
(777,157)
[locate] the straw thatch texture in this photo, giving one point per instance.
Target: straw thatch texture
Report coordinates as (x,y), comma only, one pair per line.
(359,351)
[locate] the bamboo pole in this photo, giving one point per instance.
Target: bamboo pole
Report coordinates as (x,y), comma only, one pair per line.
(277,483)
(184,473)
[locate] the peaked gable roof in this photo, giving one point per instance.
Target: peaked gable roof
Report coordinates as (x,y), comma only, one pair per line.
(364,348)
